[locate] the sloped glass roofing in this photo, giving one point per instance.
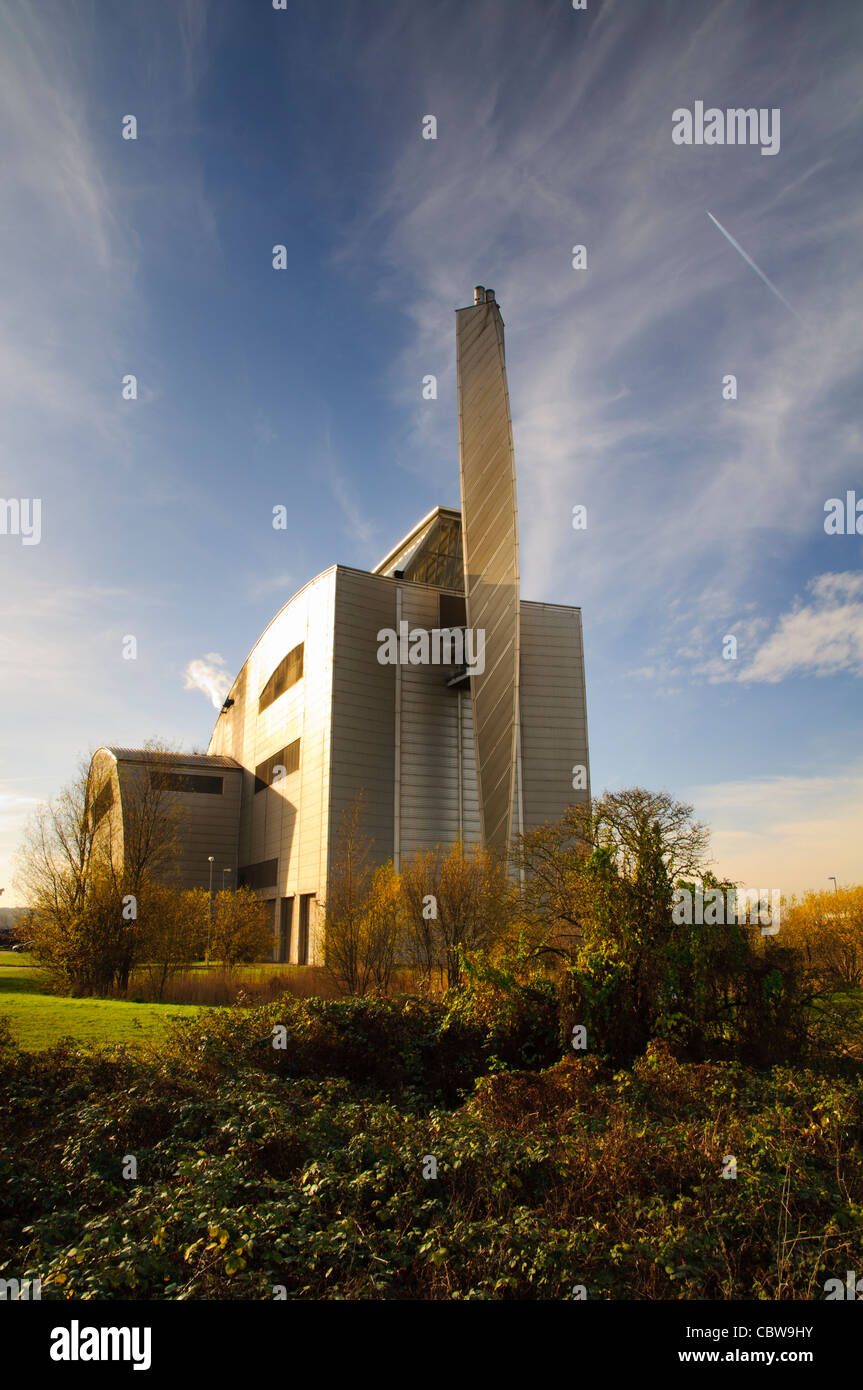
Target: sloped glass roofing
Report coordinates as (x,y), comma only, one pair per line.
(431,554)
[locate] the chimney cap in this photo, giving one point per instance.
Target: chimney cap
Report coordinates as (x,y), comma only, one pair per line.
(479,294)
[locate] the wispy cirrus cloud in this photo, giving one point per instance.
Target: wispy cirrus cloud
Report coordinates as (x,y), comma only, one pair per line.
(821,637)
(615,373)
(554,128)
(260,586)
(55,178)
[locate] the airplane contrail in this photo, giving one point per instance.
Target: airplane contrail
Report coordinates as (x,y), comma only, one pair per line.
(749,261)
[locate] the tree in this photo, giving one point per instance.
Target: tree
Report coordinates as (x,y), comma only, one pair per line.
(383,932)
(173,931)
(83,877)
(55,861)
(637,825)
(557,896)
(575,868)
(242,929)
(597,893)
(828,928)
(619,961)
(134,849)
(63,877)
(599,888)
(362,911)
(345,906)
(455,901)
(151,826)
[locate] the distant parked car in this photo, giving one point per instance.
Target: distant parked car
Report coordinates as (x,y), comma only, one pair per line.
(23,946)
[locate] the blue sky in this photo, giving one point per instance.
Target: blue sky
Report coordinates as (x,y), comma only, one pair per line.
(302,387)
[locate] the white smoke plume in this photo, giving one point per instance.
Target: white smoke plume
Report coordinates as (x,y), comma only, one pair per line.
(209,674)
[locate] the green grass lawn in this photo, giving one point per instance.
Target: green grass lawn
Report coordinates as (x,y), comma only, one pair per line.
(38,1019)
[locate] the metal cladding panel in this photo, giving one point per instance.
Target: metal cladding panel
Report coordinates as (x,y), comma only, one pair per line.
(552,711)
(287,821)
(437,782)
(490,541)
(206,824)
(363,711)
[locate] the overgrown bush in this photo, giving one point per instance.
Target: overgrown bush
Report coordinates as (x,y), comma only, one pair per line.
(242,927)
(251,1182)
(8,1045)
(432,1047)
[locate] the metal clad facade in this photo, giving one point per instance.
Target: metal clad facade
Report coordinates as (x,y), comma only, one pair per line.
(553,711)
(207,822)
(474,761)
(439,802)
(395,734)
(289,820)
(363,719)
(490,537)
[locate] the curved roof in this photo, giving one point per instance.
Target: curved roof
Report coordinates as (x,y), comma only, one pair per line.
(414,535)
(273,620)
(154,755)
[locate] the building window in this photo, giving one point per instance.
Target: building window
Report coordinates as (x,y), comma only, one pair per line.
(186,782)
(288,758)
(286,674)
(306,901)
(453,610)
(103,802)
(262,875)
(441,560)
(286,921)
(432,557)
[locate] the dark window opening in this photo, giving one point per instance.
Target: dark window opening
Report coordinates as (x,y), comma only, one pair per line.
(186,782)
(306,901)
(286,921)
(103,802)
(288,758)
(286,674)
(453,610)
(262,875)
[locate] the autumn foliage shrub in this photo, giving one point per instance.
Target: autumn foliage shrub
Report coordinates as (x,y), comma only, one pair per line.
(435,1047)
(253,1183)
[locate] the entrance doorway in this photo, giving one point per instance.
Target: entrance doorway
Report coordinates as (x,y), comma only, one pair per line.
(286,921)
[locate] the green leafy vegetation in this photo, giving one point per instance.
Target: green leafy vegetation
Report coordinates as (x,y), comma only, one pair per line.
(262,1169)
(605,1096)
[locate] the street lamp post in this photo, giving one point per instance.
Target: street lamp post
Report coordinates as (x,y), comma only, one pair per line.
(833,881)
(224,871)
(211,859)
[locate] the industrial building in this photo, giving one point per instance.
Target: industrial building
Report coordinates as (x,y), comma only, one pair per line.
(457,707)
